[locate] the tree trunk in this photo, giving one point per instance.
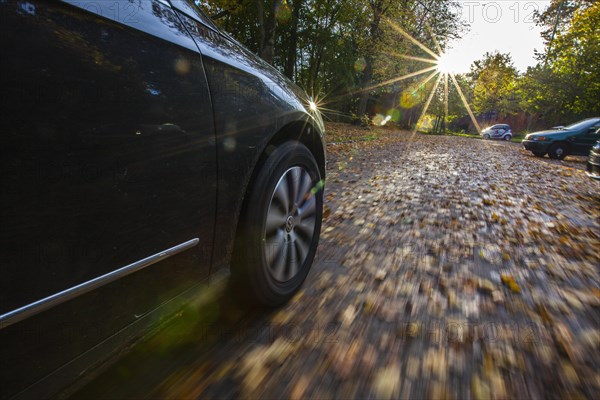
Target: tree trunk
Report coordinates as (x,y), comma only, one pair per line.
(290,62)
(365,81)
(368,73)
(260,15)
(267,24)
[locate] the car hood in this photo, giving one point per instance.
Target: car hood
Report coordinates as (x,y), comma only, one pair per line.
(551,133)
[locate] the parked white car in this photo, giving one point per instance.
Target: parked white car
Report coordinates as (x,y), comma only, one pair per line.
(498,131)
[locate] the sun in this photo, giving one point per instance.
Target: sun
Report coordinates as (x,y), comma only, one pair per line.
(449,63)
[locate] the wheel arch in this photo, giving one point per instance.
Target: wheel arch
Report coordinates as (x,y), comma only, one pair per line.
(567,146)
(563,143)
(301,131)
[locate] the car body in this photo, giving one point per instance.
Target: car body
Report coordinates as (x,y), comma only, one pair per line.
(593,163)
(498,132)
(575,139)
(143,151)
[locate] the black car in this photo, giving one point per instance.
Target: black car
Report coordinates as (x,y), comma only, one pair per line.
(143,150)
(593,163)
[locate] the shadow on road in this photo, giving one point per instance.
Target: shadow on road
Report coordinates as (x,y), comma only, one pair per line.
(577,162)
(216,318)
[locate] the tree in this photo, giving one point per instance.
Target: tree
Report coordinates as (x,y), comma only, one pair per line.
(575,60)
(494,85)
(565,85)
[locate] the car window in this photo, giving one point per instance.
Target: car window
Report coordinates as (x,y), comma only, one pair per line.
(583,124)
(594,130)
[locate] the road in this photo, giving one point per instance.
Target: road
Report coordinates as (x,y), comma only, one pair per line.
(449,267)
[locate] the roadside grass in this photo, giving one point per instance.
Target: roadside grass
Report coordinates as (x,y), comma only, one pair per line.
(518,137)
(450,133)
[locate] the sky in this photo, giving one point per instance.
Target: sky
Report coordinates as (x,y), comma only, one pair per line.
(503,25)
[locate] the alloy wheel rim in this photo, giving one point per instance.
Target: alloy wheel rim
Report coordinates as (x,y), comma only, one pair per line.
(290,224)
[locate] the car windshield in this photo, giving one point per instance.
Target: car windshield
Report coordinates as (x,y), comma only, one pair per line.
(582,124)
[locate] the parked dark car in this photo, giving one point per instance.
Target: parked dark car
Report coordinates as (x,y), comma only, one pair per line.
(143,150)
(593,163)
(498,132)
(576,139)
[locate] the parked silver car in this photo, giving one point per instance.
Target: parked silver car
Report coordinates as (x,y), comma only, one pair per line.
(498,131)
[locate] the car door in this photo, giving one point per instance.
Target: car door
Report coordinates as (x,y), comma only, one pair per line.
(500,130)
(108,160)
(584,141)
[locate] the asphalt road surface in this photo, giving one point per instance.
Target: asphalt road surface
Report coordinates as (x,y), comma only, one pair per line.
(449,267)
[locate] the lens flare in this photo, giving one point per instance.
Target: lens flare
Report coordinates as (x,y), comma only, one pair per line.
(445,65)
(401,31)
(464,100)
(394,80)
(437,83)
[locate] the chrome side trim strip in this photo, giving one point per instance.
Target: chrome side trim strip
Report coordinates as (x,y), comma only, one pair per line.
(593,176)
(37,307)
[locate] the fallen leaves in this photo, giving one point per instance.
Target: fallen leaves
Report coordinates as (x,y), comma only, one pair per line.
(512,284)
(387,382)
(256,365)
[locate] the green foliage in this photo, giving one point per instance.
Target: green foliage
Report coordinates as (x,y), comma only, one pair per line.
(565,85)
(494,84)
(556,19)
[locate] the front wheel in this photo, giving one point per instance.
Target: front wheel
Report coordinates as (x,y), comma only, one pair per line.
(280,225)
(557,151)
(486,136)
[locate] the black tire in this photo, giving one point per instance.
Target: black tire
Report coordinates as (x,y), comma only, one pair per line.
(558,151)
(486,136)
(539,154)
(260,247)
(507,138)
